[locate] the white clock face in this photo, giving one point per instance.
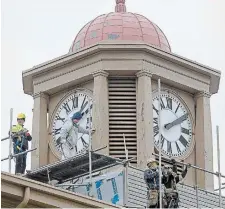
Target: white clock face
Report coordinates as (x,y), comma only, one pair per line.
(75,143)
(176,125)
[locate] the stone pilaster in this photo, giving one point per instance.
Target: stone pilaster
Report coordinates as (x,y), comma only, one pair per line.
(204,141)
(101,112)
(145,143)
(39,157)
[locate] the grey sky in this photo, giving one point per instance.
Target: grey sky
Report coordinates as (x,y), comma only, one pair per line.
(37,31)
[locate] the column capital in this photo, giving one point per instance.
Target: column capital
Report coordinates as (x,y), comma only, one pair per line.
(100,73)
(144,72)
(202,94)
(41,94)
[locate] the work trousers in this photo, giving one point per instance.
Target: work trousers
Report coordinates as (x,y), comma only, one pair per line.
(21,163)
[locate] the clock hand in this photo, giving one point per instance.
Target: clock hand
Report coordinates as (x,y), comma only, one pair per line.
(176,122)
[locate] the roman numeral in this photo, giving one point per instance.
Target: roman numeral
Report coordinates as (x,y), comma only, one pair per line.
(156,130)
(58,146)
(169,147)
(58,141)
(75,102)
(185,131)
(67,108)
(155,109)
(162,140)
(183,141)
(82,107)
(178,148)
(87,110)
(83,100)
(155,120)
(177,108)
(85,144)
(88,120)
(59,118)
(162,104)
(57,131)
(169,102)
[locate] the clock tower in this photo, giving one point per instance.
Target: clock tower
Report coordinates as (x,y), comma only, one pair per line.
(110,77)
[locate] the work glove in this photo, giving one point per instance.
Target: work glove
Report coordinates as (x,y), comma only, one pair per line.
(173,161)
(93,131)
(173,174)
(169,171)
(188,165)
(63,141)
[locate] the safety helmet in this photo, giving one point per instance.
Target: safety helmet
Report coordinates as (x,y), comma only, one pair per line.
(21,116)
(77,116)
(150,160)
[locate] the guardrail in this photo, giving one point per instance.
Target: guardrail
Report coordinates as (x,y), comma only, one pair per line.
(11,156)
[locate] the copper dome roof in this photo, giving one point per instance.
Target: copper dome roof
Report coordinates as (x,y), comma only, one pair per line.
(120,25)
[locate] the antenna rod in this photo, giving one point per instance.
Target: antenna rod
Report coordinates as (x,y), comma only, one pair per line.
(90,147)
(10,139)
(160,157)
(125,147)
(218,159)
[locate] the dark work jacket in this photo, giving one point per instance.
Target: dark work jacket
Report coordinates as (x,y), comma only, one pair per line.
(170,180)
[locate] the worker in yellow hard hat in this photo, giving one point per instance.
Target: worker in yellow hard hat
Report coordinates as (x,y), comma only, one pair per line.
(151,177)
(20,137)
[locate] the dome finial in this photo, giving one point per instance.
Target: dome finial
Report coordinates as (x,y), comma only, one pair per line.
(120,6)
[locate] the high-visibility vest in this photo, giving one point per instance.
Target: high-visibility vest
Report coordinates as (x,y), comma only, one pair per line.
(19,142)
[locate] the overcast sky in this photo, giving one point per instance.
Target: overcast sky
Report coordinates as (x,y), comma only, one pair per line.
(37,31)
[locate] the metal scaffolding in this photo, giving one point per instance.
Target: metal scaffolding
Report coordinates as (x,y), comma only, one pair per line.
(126,170)
(90,162)
(160,145)
(11,156)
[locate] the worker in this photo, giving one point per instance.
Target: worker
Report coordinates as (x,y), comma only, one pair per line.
(151,177)
(20,137)
(170,178)
(69,135)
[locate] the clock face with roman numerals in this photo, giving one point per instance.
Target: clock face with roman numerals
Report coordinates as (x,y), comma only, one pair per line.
(75,102)
(176,125)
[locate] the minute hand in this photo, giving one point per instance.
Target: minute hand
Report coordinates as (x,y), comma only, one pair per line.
(176,122)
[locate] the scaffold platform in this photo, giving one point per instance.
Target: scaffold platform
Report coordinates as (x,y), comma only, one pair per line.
(72,167)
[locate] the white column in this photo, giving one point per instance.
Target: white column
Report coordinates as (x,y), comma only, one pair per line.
(39,157)
(101,112)
(145,143)
(204,141)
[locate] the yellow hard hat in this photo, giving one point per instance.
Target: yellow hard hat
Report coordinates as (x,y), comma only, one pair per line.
(151,160)
(21,116)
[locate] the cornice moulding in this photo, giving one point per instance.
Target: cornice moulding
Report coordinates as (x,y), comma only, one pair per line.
(100,73)
(203,94)
(144,73)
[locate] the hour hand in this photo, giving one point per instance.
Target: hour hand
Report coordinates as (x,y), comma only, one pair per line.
(176,122)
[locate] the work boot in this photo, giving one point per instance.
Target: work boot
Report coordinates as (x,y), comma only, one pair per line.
(28,171)
(19,174)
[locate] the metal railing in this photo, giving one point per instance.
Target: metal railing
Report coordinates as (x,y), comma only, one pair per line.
(11,156)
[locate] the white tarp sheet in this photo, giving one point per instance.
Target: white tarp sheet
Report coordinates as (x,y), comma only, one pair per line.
(107,187)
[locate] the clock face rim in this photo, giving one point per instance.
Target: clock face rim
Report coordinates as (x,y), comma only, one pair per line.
(181,100)
(88,92)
